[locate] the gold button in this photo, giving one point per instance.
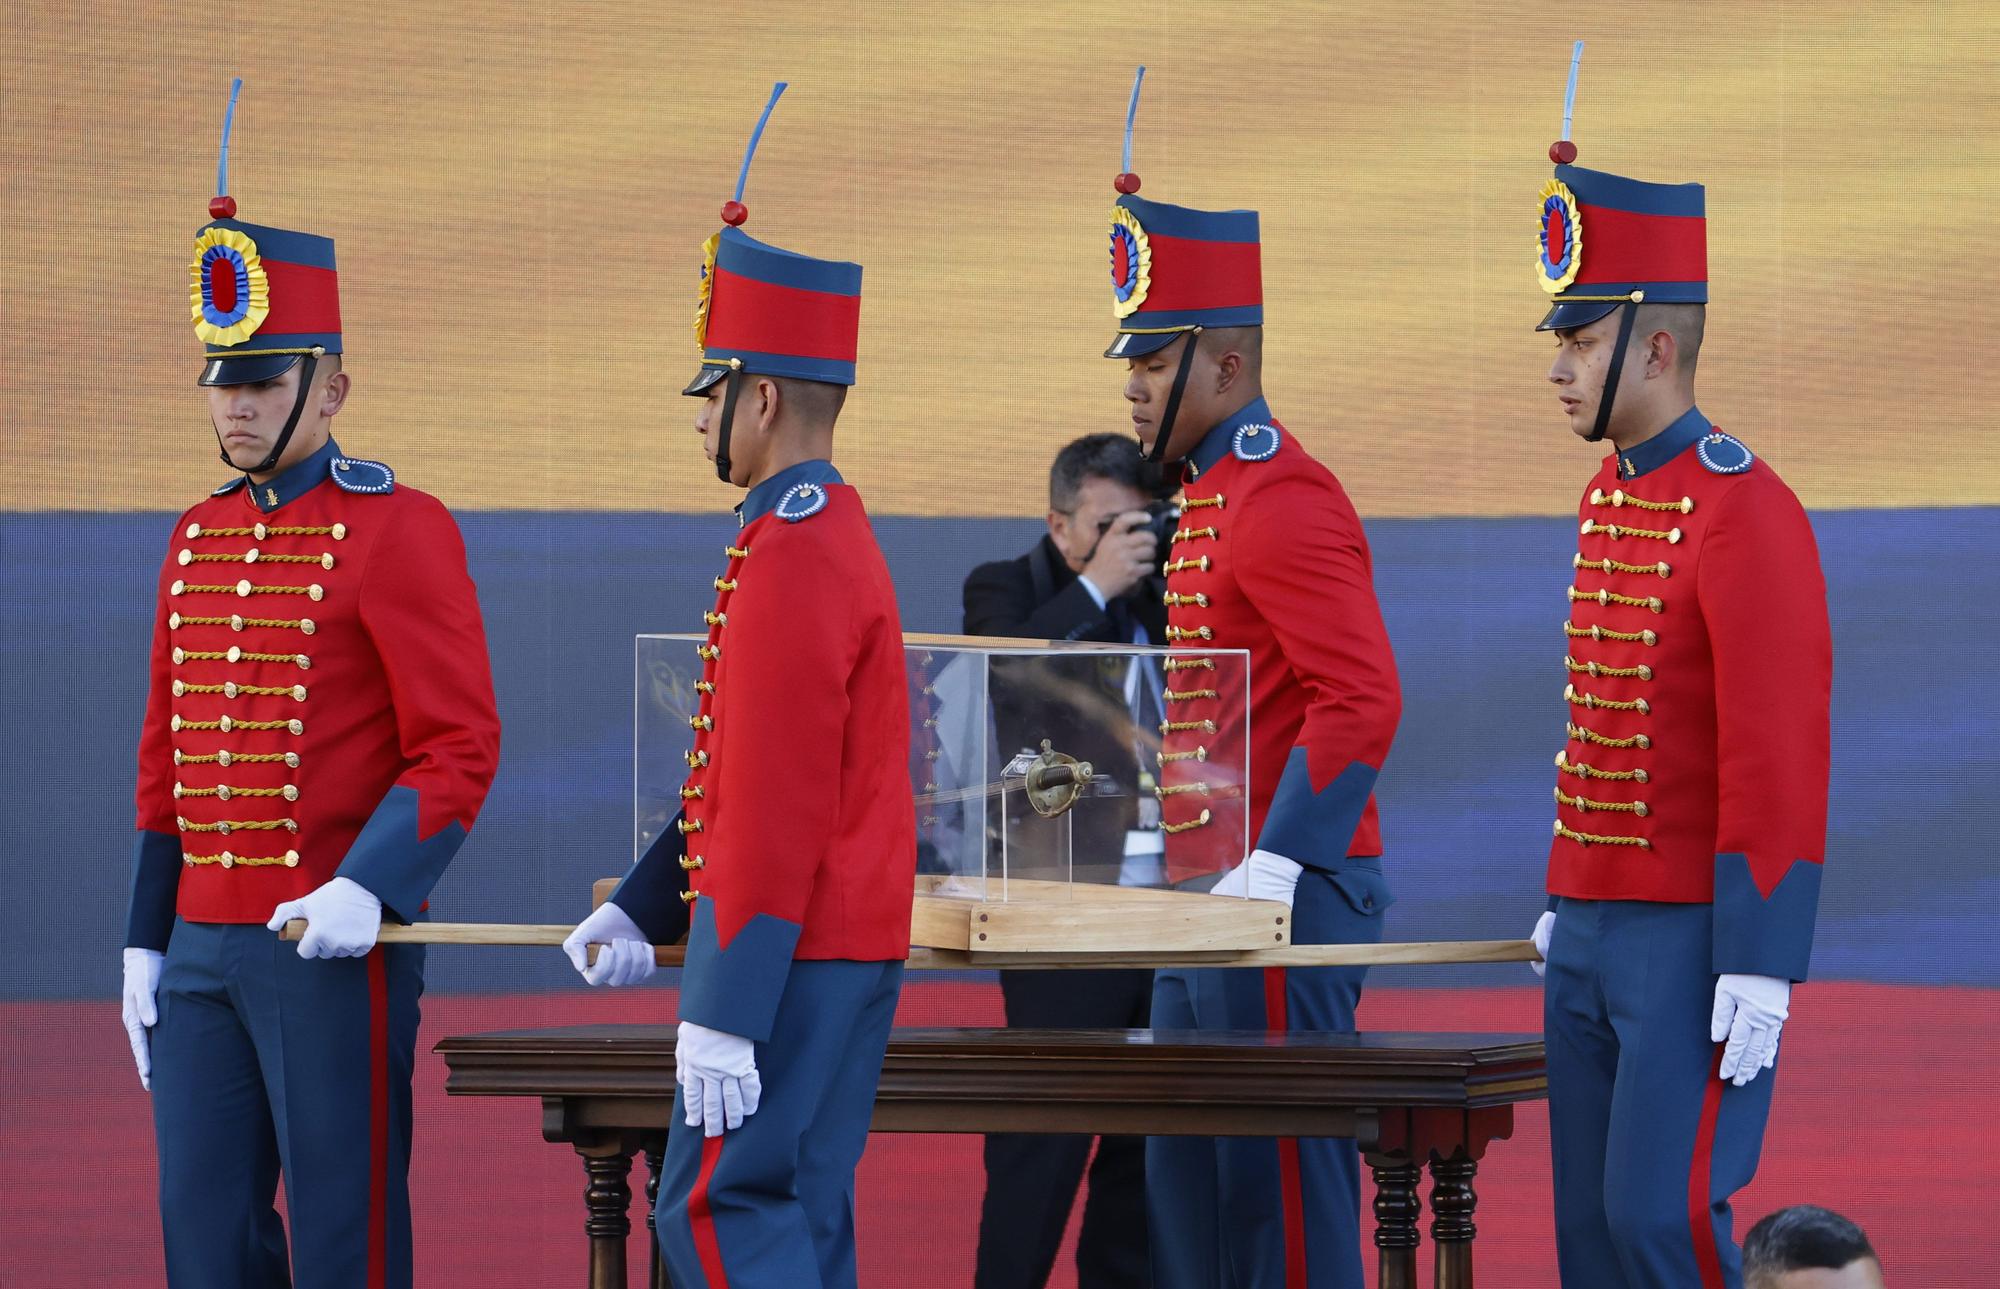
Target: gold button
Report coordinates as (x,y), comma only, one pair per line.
(174,621)
(1586,528)
(177,756)
(689,897)
(292,760)
(1559,827)
(178,588)
(228,860)
(1639,809)
(291,859)
(1651,638)
(306,626)
(180,655)
(224,759)
(1604,597)
(342,466)
(291,825)
(1645,672)
(259,531)
(235,622)
(298,693)
(1663,569)
(1559,760)
(179,689)
(305,663)
(1640,776)
(1687,505)
(225,725)
(1645,708)
(1644,742)
(224,829)
(291,792)
(175,724)
(222,793)
(1611,530)
(229,689)
(297,727)
(243,588)
(178,789)
(186,558)
(1674,537)
(315,592)
(1618,497)
(250,556)
(193,531)
(1597,496)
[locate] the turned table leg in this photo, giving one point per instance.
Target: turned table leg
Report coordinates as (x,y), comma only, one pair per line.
(1452,1202)
(655,1150)
(1397,1210)
(607,1199)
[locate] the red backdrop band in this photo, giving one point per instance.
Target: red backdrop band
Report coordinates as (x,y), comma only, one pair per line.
(305,301)
(762,317)
(1622,246)
(1190,274)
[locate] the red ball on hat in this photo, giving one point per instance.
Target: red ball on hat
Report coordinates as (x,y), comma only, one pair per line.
(1562,152)
(1127,183)
(222,207)
(734,213)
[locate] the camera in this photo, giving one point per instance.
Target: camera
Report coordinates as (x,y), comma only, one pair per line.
(1162,518)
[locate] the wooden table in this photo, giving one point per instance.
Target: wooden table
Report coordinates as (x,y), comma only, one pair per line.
(1412,1101)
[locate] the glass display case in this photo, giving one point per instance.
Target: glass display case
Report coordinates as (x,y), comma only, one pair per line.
(1069,797)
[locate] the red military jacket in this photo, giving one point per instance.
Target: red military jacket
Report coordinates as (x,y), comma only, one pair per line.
(798,827)
(320,701)
(1699,665)
(1271,558)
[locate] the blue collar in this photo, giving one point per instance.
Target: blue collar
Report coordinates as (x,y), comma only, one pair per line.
(1687,430)
(293,482)
(1216,444)
(764,498)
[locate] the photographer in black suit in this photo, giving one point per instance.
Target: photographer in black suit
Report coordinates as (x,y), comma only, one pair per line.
(1094,576)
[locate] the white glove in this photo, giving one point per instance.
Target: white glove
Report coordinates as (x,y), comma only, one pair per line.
(142,987)
(624,957)
(1750,1012)
(719,1073)
(343,917)
(1263,876)
(1545,927)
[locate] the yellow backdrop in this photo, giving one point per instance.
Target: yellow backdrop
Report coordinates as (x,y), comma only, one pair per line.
(519,193)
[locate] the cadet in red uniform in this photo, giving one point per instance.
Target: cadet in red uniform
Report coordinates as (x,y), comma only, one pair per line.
(319,736)
(1691,795)
(796,849)
(1270,558)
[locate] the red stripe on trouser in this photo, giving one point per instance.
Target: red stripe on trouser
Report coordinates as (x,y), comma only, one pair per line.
(701,1222)
(378,1120)
(1701,1228)
(1277,1019)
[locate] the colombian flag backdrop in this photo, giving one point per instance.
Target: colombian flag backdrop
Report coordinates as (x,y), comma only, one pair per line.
(520,193)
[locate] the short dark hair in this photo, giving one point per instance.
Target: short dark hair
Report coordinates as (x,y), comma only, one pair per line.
(1684,322)
(1801,1238)
(812,401)
(1097,456)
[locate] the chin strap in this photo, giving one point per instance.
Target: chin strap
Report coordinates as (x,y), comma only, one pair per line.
(1628,314)
(729,393)
(270,462)
(1158,454)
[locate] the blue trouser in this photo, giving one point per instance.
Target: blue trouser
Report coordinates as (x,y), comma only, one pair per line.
(267,1063)
(1648,1143)
(772,1203)
(1234,1212)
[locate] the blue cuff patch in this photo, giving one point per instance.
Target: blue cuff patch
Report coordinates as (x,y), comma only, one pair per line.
(1316,828)
(387,858)
(1765,937)
(156,884)
(651,892)
(736,990)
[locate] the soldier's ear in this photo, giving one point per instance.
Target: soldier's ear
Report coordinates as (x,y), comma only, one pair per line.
(769,399)
(334,397)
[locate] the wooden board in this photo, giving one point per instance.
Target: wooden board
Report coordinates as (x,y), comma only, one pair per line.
(1088,918)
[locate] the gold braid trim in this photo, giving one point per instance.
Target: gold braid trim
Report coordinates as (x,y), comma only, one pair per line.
(290,859)
(1199,754)
(1200,503)
(1638,808)
(1190,534)
(240,825)
(1609,565)
(1582,771)
(1582,699)
(1593,839)
(1582,735)
(1196,822)
(1177,727)
(1620,497)
(1173,600)
(1647,638)
(1616,531)
(1641,672)
(1189,695)
(1190,664)
(1653,602)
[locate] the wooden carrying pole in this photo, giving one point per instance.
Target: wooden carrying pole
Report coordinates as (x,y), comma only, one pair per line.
(1416,953)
